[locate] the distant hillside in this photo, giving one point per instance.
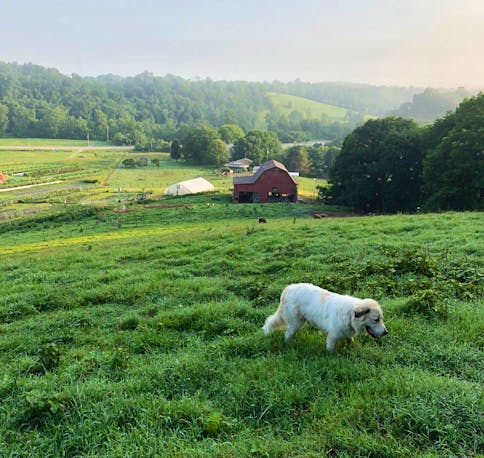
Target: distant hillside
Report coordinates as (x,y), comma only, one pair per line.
(308,109)
(364,98)
(431,104)
(38,102)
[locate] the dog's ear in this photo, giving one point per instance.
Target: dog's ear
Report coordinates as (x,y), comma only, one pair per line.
(361,310)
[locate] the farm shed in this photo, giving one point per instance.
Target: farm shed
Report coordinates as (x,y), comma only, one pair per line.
(239,164)
(189,187)
(270,183)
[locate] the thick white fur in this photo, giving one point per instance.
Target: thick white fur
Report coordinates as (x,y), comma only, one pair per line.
(340,316)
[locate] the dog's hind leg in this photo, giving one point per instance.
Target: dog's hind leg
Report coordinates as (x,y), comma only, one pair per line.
(292,327)
(274,321)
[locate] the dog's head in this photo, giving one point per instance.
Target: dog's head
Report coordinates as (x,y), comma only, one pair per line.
(369,317)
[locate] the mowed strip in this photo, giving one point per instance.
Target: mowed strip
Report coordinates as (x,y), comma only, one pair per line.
(174,232)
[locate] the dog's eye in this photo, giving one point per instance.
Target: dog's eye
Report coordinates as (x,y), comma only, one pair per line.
(377,320)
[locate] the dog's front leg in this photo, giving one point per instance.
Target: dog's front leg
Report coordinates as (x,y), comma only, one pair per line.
(331,343)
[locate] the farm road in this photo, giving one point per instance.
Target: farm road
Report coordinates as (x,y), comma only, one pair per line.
(66,148)
(42,190)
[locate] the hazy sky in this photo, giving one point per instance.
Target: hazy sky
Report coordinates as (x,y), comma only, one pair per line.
(399,42)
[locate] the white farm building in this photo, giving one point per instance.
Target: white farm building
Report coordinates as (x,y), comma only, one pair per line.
(194,186)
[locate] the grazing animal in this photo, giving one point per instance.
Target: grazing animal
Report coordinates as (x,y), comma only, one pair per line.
(317,216)
(262,220)
(342,317)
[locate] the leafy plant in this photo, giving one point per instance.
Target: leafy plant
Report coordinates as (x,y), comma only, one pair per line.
(427,302)
(48,358)
(39,406)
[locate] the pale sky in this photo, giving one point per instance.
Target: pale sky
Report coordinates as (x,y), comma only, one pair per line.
(437,43)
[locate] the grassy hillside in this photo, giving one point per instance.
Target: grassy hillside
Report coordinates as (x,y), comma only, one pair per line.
(138,333)
(308,108)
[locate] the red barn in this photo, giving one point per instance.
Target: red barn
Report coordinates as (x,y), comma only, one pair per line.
(270,183)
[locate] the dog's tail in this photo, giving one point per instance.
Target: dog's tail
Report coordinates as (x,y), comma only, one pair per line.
(274,321)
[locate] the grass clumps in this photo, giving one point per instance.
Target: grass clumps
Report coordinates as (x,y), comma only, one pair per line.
(429,282)
(150,340)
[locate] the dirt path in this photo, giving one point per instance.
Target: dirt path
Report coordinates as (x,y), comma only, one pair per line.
(66,148)
(111,173)
(15,188)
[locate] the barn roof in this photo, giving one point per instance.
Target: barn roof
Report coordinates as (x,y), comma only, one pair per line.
(239,163)
(271,164)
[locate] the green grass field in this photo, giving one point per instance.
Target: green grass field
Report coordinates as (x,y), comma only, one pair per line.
(137,332)
(132,328)
(309,108)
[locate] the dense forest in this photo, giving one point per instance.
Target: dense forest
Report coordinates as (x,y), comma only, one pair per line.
(148,110)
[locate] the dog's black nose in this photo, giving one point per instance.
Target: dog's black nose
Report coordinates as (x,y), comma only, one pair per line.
(385,332)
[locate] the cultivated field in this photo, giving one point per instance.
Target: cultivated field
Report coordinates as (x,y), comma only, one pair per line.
(132,328)
(97,177)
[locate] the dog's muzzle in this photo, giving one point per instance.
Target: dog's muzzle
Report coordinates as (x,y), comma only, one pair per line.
(372,333)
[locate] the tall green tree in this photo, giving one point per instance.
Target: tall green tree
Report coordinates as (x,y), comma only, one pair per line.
(197,143)
(230,133)
(259,146)
(217,153)
(175,149)
(379,168)
(322,159)
(3,119)
(51,121)
(297,159)
(22,120)
(454,167)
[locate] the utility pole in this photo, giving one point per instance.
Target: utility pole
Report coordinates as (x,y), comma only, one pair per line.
(87,138)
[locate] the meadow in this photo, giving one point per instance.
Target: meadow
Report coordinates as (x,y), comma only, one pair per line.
(132,328)
(309,108)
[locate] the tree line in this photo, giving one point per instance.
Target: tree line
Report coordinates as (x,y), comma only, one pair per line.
(147,110)
(391,164)
(205,145)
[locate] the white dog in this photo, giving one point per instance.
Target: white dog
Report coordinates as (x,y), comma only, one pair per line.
(340,316)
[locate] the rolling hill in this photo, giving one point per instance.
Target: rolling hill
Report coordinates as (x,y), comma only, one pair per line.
(311,109)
